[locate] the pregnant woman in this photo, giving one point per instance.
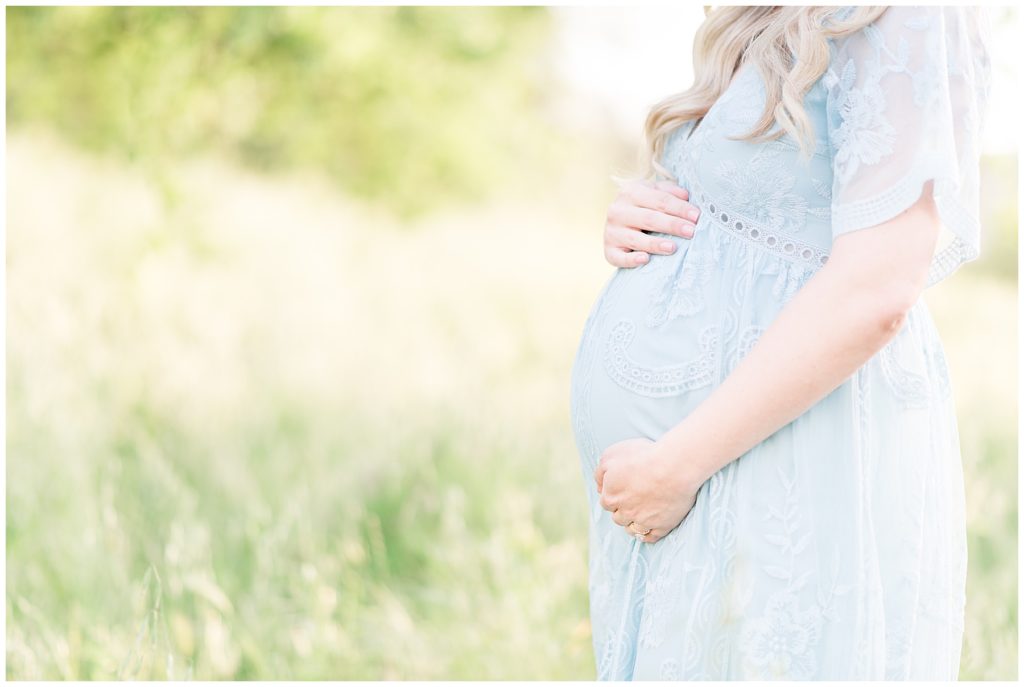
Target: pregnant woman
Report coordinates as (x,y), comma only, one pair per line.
(763,413)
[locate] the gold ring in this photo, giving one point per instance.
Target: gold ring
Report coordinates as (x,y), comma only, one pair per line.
(643,534)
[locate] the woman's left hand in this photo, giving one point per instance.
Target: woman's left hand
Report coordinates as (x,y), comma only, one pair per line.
(640,484)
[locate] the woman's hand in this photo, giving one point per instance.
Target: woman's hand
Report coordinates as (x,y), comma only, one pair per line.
(640,483)
(646,206)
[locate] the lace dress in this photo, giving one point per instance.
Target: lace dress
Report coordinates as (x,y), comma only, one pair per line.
(836,548)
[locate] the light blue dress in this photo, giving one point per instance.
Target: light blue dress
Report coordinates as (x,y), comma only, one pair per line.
(836,548)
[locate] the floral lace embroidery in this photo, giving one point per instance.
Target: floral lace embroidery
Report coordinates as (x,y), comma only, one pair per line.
(681,293)
(864,135)
(823,212)
(789,278)
(623,568)
(917,82)
(775,242)
(657,382)
(721,518)
(927,81)
(912,389)
(720,653)
(757,204)
(748,338)
(869,588)
(660,596)
(740,106)
(762,190)
(942,372)
(788,518)
(782,642)
(669,669)
(827,595)
(720,595)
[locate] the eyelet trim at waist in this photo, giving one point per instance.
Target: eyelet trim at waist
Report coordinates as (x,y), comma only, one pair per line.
(780,244)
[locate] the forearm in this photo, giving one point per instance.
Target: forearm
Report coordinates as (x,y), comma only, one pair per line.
(848,311)
(825,333)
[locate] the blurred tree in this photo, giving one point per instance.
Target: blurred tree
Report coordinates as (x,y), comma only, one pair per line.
(409,106)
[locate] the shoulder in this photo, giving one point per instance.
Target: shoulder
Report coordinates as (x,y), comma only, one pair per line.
(919,25)
(925,43)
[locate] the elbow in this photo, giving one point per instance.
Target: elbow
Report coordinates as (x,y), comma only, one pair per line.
(887,295)
(889,321)
(891,309)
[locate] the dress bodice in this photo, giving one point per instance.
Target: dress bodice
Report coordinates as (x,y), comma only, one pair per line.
(900,103)
(766,192)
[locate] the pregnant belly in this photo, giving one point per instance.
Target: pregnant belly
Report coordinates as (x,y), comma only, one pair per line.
(640,380)
(660,338)
(648,355)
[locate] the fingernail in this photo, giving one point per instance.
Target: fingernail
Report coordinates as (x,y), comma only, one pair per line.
(642,258)
(693,213)
(668,245)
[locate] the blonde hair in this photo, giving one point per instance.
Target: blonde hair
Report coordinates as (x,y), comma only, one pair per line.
(766,37)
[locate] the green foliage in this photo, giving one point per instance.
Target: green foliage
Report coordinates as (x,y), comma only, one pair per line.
(413,107)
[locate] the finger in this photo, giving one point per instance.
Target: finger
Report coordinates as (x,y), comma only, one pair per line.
(599,476)
(662,201)
(615,255)
(628,238)
(620,518)
(608,503)
(637,217)
(624,258)
(673,188)
(657,198)
(648,538)
(638,257)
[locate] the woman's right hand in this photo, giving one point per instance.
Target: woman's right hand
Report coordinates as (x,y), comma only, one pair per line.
(646,206)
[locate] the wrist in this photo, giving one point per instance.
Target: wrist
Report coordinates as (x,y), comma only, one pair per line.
(679,453)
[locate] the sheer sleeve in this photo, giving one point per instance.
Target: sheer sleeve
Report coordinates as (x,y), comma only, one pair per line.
(906,97)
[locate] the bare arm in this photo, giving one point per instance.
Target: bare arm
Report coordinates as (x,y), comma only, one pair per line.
(842,316)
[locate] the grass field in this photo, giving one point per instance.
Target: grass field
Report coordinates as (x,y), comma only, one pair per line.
(255,431)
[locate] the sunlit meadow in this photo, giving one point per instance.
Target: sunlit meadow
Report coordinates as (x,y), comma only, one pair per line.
(260,427)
